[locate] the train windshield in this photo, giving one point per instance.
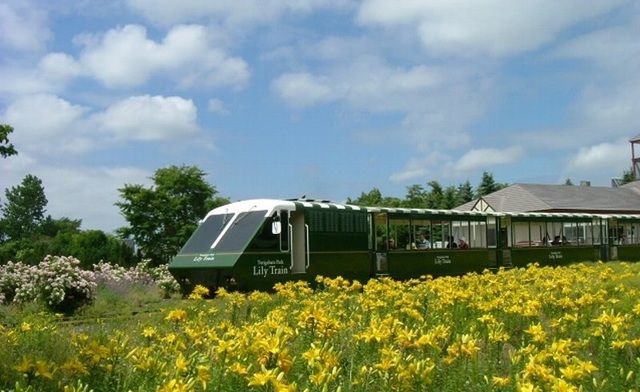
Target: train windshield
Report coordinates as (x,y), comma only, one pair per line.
(241,231)
(204,236)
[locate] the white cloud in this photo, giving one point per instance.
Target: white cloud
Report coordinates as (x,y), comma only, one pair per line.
(59,67)
(614,157)
(215,105)
(302,89)
(367,83)
(231,13)
(23,25)
(419,168)
(48,125)
(125,57)
(77,192)
(149,118)
(491,27)
(482,158)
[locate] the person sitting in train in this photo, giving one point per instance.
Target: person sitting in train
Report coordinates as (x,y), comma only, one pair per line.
(451,244)
(556,240)
(423,242)
(545,239)
(392,244)
(463,244)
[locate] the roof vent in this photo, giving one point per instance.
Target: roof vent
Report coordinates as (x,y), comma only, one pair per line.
(585,183)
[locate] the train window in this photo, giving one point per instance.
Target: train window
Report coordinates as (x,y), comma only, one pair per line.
(629,234)
(584,233)
(570,233)
(594,235)
(204,236)
(380,222)
(241,231)
(265,239)
(478,234)
(520,234)
(460,234)
(634,237)
(492,238)
(441,233)
(400,233)
(555,233)
(421,233)
(538,232)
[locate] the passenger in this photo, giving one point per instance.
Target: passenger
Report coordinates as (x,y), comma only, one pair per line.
(463,243)
(545,239)
(392,244)
(451,244)
(423,242)
(556,240)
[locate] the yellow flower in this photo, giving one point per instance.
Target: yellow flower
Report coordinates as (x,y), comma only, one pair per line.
(204,375)
(24,366)
(74,366)
(41,370)
(199,292)
(149,332)
(263,377)
(500,381)
(181,363)
(537,333)
(25,327)
(176,315)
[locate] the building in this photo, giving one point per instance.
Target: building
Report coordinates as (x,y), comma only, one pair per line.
(560,198)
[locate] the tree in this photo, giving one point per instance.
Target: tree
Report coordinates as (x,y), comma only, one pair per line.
(449,198)
(465,193)
(416,197)
(371,198)
(24,209)
(434,199)
(6,149)
(568,182)
(627,176)
(488,185)
(163,217)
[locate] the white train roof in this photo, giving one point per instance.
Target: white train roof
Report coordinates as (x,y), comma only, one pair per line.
(271,205)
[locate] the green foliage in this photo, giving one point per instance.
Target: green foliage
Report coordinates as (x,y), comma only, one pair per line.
(465,193)
(568,182)
(6,148)
(488,185)
(416,197)
(628,176)
(374,198)
(163,217)
(436,197)
(23,212)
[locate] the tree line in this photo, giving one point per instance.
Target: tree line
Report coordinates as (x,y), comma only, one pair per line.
(435,196)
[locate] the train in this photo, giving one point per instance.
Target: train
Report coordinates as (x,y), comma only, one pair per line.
(255,244)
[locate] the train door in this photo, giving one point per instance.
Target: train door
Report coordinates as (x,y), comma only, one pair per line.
(299,242)
(613,231)
(380,242)
(503,242)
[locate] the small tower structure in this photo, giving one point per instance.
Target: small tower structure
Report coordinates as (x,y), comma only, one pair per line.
(635,160)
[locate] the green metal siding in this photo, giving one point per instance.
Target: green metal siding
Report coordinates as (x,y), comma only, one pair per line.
(557,255)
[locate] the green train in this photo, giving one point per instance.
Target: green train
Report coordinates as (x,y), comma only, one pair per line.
(254,244)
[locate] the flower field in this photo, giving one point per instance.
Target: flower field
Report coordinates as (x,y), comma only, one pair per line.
(574,328)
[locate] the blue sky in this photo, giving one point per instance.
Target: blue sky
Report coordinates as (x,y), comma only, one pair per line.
(279,98)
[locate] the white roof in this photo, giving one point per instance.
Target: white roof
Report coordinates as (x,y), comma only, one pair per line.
(269,205)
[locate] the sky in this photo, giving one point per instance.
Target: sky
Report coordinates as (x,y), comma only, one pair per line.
(324,98)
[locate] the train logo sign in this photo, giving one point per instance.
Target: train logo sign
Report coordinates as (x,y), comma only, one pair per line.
(270,267)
